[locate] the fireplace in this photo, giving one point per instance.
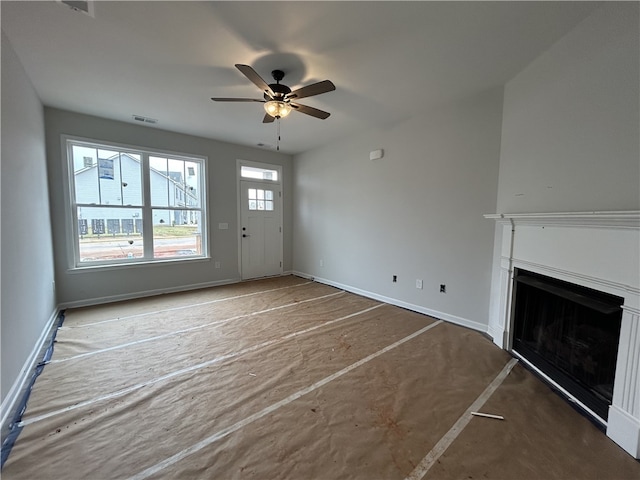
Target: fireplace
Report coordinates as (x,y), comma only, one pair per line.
(565,297)
(571,334)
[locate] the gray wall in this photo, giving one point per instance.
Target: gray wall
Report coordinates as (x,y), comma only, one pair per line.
(416,213)
(27,257)
(102,284)
(570,123)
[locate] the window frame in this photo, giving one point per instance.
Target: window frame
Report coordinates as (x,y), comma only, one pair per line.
(147,207)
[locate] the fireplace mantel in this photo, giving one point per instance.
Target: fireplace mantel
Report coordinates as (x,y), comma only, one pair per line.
(599,250)
(620,219)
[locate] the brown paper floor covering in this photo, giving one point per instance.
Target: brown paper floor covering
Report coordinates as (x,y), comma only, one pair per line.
(287,378)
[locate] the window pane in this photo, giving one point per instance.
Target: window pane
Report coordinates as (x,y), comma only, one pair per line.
(260,204)
(159,181)
(193,182)
(268,205)
(252,193)
(259,173)
(120,178)
(131,174)
(260,194)
(253,205)
(268,195)
(109,177)
(109,233)
(85,172)
(176,233)
(174,183)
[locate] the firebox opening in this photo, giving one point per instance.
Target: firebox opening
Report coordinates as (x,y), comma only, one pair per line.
(571,334)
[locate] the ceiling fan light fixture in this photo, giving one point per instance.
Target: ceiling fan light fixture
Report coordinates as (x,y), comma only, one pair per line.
(277,108)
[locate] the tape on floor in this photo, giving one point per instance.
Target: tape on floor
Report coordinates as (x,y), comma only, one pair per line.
(192,368)
(432,457)
(182,307)
(266,411)
(190,329)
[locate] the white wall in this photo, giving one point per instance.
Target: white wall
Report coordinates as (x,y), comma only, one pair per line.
(570,122)
(28,301)
(570,133)
(98,285)
(416,213)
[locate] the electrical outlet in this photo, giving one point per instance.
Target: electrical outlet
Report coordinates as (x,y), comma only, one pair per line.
(419,284)
(443,288)
(216,265)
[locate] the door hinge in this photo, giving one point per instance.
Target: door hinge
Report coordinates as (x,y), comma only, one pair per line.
(280,194)
(280,264)
(280,229)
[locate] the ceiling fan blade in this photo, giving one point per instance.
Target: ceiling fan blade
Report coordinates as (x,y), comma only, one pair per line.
(314,112)
(217,99)
(313,89)
(251,74)
(268,118)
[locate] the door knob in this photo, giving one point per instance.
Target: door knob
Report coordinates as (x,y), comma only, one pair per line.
(245,235)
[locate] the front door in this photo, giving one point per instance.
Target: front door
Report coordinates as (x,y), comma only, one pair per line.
(261,229)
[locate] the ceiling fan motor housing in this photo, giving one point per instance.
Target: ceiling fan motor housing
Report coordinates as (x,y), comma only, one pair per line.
(279,90)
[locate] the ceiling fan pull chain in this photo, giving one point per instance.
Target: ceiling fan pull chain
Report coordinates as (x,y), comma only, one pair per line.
(278,142)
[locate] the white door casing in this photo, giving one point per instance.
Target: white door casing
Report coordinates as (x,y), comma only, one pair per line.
(260,229)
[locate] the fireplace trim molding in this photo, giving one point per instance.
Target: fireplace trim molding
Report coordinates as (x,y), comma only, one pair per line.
(577,247)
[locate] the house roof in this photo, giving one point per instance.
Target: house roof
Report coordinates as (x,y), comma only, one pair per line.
(389,60)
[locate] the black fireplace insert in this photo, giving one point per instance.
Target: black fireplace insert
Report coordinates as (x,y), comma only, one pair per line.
(571,333)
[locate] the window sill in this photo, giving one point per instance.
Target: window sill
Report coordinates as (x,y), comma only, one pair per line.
(143,264)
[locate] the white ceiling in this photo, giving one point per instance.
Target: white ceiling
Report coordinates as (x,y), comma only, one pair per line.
(165,60)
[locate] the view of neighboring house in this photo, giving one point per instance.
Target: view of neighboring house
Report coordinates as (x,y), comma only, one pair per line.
(109,194)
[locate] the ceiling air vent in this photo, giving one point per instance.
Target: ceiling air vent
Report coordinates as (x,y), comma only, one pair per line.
(85,6)
(140,118)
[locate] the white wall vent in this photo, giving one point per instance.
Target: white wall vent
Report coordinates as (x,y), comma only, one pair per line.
(140,118)
(83,6)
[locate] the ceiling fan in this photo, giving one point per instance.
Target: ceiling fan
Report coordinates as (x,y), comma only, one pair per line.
(279,100)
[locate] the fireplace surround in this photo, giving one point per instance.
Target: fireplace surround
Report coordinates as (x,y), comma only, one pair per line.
(599,251)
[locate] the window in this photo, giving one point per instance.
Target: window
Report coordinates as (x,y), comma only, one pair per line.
(260,199)
(129,205)
(258,173)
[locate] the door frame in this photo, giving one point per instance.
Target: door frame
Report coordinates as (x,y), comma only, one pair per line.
(277,184)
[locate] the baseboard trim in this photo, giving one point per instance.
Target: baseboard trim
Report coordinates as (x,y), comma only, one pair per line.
(463,322)
(10,402)
(624,430)
(146,293)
